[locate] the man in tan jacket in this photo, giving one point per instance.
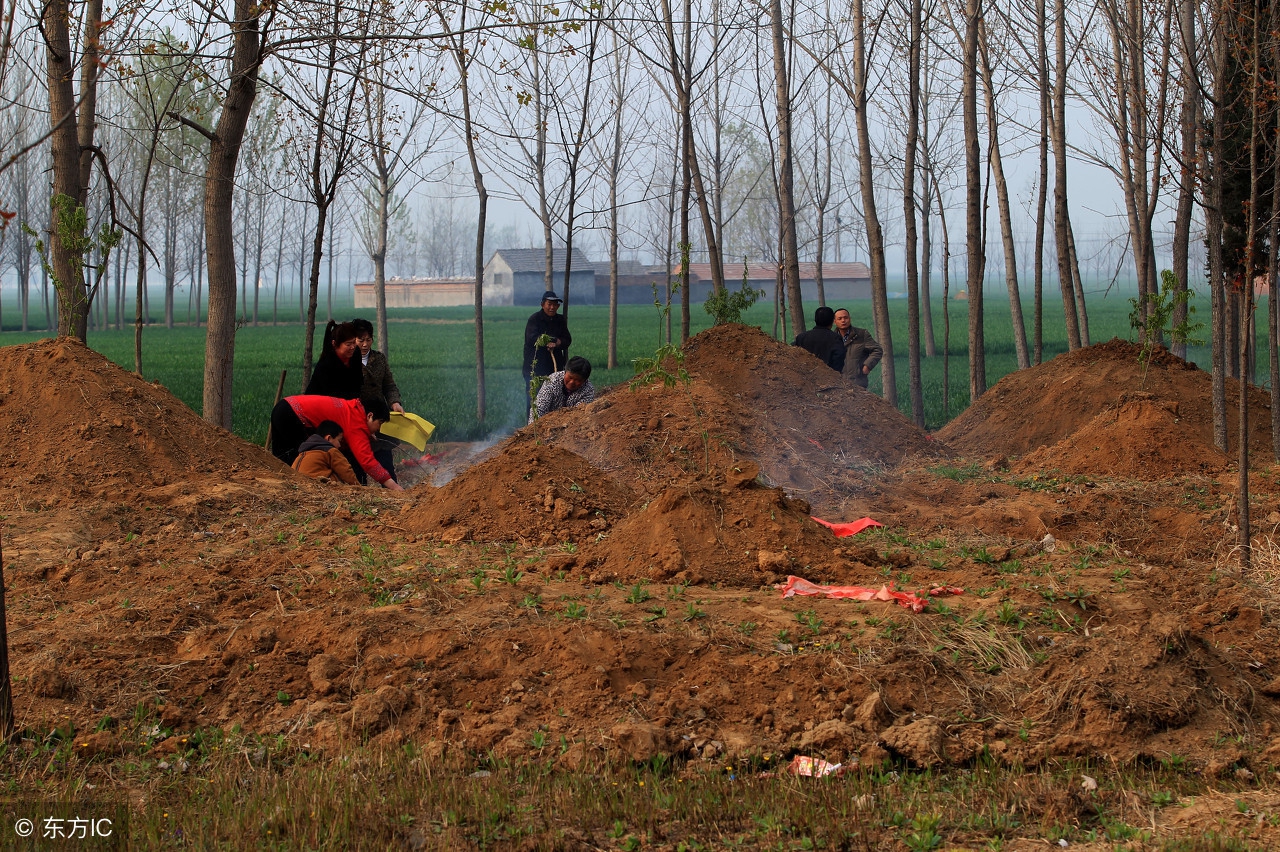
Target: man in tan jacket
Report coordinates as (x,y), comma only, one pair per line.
(861,352)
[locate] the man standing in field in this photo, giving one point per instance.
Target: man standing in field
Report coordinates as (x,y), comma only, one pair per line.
(545,360)
(862,353)
(822,341)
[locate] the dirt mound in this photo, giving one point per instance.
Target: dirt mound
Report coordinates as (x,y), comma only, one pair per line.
(710,459)
(1138,437)
(600,582)
(74,415)
(1104,392)
(536,494)
(723,535)
(750,398)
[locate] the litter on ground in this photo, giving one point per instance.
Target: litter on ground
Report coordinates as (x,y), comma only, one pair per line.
(914,601)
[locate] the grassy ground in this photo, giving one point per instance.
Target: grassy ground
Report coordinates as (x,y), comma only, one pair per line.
(433,357)
(231,790)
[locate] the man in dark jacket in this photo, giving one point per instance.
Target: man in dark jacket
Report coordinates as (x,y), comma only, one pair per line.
(822,341)
(862,353)
(545,360)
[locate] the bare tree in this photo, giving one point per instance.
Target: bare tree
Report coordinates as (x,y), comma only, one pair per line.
(786,170)
(915,37)
(397,141)
(996,161)
(1130,88)
(73,118)
(248,26)
(463,43)
(1068,269)
(326,85)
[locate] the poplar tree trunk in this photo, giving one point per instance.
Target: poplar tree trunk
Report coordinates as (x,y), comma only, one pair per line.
(1187,122)
(786,172)
(909,214)
(1061,218)
(1002,199)
(224,153)
(975,236)
(71,157)
(866,182)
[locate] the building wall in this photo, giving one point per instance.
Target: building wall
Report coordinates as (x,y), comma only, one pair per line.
(498,282)
(638,290)
(529,287)
(417,294)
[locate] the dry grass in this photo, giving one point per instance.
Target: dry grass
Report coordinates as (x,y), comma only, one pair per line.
(241,792)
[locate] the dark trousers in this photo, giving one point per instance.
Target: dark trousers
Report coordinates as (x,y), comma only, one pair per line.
(287,432)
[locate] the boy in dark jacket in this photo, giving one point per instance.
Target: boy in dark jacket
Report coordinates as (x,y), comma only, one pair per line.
(320,456)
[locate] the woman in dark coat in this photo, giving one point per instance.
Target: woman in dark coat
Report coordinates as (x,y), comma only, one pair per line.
(338,371)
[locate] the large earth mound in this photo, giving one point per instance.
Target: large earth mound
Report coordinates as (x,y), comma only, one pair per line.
(73,416)
(1099,411)
(601,579)
(717,468)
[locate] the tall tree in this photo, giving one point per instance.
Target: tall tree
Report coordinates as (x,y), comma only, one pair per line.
(73,118)
(464,40)
(975,231)
(860,74)
(248,26)
(325,98)
(995,160)
(1067,270)
(397,140)
(786,169)
(915,37)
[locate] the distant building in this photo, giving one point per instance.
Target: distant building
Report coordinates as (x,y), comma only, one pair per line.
(418,293)
(518,277)
(636,283)
(840,281)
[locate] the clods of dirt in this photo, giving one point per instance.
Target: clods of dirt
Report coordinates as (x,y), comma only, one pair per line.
(604,578)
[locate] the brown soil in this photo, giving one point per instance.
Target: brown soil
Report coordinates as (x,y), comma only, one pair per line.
(606,575)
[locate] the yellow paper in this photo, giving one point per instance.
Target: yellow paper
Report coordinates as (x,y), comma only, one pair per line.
(409,428)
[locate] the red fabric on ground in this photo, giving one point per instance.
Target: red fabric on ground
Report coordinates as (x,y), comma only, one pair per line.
(851,528)
(912,601)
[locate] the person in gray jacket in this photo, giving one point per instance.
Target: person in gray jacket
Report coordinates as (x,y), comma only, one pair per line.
(378,380)
(861,352)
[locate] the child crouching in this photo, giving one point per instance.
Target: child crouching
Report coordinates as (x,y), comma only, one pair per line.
(320,456)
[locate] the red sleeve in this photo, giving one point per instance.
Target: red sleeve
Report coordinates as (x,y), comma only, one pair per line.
(361,448)
(356,431)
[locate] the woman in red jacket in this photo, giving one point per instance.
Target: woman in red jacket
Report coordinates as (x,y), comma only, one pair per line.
(295,417)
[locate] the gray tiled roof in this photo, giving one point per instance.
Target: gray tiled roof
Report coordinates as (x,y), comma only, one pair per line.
(535,259)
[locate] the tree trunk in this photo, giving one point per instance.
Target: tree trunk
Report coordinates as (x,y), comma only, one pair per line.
(975,237)
(1187,122)
(875,236)
(786,171)
(1060,214)
(1042,186)
(909,213)
(1215,174)
(1002,199)
(71,141)
(224,153)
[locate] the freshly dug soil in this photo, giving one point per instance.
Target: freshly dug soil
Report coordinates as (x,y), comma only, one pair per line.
(606,575)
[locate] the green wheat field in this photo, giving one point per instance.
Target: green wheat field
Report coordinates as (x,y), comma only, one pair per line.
(432,352)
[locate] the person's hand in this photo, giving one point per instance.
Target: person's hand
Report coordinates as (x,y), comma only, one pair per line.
(392,485)
(866,371)
(395,406)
